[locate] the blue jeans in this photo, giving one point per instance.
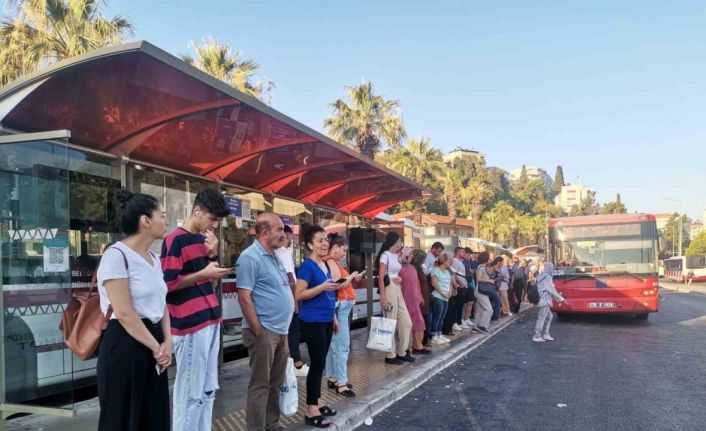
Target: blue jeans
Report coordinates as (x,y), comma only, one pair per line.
(495,302)
(437,314)
(337,357)
(196,378)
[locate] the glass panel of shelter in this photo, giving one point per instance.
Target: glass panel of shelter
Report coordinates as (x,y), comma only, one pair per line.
(56,216)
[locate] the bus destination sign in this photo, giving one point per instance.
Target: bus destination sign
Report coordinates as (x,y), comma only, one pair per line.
(600,231)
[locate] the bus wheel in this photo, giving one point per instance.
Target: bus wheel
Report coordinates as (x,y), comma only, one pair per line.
(642,316)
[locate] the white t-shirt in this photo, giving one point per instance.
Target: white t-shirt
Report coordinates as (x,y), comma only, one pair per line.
(459,270)
(284,255)
(146,285)
(392,261)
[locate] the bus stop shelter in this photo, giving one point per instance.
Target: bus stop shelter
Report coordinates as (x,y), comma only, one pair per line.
(137,105)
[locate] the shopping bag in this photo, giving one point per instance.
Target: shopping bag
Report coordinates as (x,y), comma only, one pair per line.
(382,334)
(289,392)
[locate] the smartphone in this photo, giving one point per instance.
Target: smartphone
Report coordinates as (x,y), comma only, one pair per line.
(362,273)
(341,280)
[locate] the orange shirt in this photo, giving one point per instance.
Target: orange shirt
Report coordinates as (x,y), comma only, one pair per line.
(347,293)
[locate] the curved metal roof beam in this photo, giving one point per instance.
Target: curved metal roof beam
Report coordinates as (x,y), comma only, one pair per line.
(136,137)
(278,182)
(320,192)
(353,205)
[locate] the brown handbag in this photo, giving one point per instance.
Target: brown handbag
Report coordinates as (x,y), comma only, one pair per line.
(83,321)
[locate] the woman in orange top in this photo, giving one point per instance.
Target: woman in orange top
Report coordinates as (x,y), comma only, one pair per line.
(337,358)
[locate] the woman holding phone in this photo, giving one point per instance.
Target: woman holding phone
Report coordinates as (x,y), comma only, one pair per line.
(337,358)
(316,293)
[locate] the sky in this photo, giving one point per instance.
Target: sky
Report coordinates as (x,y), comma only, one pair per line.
(614,92)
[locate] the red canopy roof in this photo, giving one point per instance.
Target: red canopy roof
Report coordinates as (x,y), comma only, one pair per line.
(138,101)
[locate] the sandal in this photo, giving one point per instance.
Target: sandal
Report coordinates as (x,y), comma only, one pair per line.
(327,411)
(346,391)
(316,421)
(334,385)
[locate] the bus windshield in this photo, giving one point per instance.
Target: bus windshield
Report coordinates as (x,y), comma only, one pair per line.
(604,249)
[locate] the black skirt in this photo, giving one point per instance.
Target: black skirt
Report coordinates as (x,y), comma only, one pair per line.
(131,395)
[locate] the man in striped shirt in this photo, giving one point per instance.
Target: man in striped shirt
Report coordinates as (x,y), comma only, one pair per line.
(190,265)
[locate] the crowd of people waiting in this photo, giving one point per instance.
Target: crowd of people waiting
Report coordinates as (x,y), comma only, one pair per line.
(163,305)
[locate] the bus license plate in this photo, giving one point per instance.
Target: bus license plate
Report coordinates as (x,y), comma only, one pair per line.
(601,305)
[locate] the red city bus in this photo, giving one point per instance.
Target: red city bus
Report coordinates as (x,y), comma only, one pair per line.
(605,263)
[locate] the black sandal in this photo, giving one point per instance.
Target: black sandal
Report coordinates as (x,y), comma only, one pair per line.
(327,411)
(334,385)
(346,392)
(316,421)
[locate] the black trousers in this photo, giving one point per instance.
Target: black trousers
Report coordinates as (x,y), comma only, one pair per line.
(131,395)
(317,337)
(454,314)
(518,290)
(294,338)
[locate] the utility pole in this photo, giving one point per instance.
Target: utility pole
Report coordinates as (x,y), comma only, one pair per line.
(681,223)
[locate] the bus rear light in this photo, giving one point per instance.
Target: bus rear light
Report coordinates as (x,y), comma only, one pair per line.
(649,292)
(655,284)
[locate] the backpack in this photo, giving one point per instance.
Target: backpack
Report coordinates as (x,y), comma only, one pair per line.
(83,321)
(533,294)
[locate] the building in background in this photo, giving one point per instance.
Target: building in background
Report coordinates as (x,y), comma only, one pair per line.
(439,225)
(697,226)
(475,157)
(663,219)
(571,196)
(533,173)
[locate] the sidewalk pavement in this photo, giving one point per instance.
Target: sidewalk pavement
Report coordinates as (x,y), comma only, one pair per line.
(683,287)
(377,385)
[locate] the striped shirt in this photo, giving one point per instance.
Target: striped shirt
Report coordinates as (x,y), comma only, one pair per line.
(193,307)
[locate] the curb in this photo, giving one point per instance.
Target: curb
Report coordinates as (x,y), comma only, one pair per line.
(356,412)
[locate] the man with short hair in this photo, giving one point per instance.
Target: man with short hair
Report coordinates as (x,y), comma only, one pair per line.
(434,252)
(266,299)
(470,263)
(518,282)
(190,265)
(284,254)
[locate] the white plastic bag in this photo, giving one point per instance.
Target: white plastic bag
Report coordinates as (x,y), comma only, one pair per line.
(289,392)
(382,334)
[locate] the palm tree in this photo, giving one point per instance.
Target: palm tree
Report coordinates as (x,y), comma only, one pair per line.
(452,192)
(367,122)
(46,31)
(477,193)
(420,162)
(489,225)
(218,60)
(536,226)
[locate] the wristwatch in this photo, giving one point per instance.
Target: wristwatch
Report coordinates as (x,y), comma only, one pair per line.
(213,258)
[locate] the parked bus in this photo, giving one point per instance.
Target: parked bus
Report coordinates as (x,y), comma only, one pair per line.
(605,263)
(677,268)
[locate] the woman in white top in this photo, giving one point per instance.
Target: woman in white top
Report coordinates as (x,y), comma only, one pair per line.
(391,298)
(136,348)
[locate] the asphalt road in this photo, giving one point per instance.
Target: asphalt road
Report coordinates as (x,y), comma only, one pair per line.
(601,373)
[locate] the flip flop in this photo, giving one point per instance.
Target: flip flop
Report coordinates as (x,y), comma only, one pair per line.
(316,421)
(327,411)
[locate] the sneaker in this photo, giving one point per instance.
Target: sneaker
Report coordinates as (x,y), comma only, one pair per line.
(483,330)
(548,337)
(421,352)
(435,340)
(444,340)
(538,339)
(456,327)
(394,361)
(476,330)
(301,372)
